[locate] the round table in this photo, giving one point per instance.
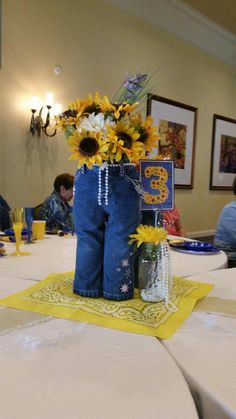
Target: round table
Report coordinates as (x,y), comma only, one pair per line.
(204,347)
(57,254)
(56,368)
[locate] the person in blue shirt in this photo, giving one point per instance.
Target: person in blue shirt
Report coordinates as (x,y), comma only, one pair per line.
(56,210)
(225,236)
(4,214)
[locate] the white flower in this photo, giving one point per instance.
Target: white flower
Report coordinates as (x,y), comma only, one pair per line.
(94,123)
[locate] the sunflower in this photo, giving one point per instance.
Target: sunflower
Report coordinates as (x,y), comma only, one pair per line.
(116,148)
(122,109)
(116,110)
(148,133)
(106,106)
(88,148)
(86,106)
(124,140)
(148,234)
(63,122)
(77,106)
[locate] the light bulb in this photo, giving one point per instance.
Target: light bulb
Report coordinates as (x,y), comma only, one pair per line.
(49,99)
(57,108)
(34,103)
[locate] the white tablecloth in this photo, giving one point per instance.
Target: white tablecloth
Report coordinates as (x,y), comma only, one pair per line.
(53,254)
(188,264)
(205,349)
(57,254)
(58,368)
(55,368)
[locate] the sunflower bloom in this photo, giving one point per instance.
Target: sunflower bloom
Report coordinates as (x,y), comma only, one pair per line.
(116,148)
(124,109)
(77,106)
(65,122)
(88,148)
(148,134)
(86,106)
(106,106)
(124,139)
(148,234)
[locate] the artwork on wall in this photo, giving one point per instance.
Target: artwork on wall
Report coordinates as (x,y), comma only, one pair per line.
(0,33)
(177,128)
(223,155)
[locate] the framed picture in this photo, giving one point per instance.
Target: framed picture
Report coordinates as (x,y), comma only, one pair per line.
(177,128)
(223,154)
(157,180)
(0,32)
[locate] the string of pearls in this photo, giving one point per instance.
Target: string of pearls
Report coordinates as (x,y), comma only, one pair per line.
(105,167)
(99,186)
(106,184)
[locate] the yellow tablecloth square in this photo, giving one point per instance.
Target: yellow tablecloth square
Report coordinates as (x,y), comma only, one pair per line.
(53,296)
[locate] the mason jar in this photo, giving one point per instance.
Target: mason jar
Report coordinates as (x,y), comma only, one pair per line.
(153,284)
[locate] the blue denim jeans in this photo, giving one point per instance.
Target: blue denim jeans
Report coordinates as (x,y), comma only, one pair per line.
(104,259)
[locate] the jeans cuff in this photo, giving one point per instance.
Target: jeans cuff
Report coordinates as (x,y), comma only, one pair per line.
(118,297)
(88,293)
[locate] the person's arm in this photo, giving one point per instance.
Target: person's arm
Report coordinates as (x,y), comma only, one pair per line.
(59,214)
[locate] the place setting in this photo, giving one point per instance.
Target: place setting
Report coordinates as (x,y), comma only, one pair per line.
(24,231)
(193,247)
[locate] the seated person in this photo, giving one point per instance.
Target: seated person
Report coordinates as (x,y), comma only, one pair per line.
(55,210)
(4,214)
(225,236)
(171,221)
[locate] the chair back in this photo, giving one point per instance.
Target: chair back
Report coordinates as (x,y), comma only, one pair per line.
(37,212)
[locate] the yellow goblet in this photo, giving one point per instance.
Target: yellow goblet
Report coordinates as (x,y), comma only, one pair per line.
(18,217)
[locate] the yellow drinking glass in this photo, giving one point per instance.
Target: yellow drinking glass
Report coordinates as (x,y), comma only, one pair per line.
(18,217)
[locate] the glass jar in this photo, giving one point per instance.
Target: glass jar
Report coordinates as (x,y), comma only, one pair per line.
(153,273)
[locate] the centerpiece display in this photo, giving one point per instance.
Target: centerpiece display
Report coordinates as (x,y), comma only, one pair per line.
(107,139)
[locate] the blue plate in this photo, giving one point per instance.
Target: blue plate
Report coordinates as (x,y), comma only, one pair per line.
(195,246)
(10,232)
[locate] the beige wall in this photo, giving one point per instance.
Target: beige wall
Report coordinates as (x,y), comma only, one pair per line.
(96,44)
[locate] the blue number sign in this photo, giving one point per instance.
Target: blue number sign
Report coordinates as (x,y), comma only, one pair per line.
(157,179)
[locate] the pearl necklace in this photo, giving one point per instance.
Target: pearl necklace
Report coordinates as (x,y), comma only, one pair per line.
(160,283)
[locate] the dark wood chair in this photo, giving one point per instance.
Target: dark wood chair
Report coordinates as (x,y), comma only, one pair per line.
(37,212)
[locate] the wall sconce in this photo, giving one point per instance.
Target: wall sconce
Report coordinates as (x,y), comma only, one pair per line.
(41,122)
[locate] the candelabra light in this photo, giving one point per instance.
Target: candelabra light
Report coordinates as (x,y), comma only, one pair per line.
(40,123)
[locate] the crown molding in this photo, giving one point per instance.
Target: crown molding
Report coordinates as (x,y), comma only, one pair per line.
(184,22)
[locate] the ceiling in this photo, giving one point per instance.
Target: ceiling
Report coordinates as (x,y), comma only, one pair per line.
(222,12)
(208,24)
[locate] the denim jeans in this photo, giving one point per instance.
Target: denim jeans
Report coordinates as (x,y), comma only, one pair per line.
(104,259)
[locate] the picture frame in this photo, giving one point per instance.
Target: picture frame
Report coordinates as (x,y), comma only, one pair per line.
(0,33)
(176,123)
(223,153)
(157,181)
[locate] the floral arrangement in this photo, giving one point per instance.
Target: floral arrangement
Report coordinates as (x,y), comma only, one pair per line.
(100,130)
(148,234)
